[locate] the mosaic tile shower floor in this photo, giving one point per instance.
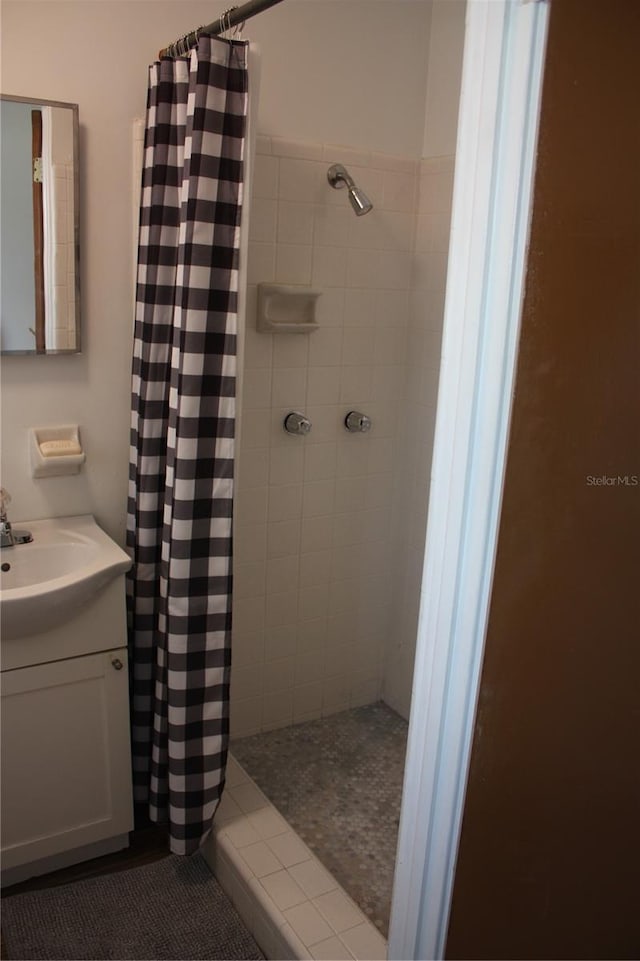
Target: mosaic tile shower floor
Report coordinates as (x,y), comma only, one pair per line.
(338,782)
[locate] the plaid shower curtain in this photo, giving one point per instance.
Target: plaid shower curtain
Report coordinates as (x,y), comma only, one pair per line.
(182,435)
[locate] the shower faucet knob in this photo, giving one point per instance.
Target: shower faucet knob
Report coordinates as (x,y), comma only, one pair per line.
(356,422)
(296,423)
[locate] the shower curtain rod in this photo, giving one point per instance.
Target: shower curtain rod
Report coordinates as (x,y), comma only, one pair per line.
(230,18)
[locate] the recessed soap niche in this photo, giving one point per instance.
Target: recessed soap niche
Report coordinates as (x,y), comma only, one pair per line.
(286,309)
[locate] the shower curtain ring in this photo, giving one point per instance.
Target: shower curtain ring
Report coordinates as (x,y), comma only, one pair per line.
(225,22)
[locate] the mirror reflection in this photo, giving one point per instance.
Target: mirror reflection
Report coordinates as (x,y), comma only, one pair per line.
(39,299)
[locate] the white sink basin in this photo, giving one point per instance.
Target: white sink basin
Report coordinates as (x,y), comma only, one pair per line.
(43,583)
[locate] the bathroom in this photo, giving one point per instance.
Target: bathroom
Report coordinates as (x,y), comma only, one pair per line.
(376,89)
(330,528)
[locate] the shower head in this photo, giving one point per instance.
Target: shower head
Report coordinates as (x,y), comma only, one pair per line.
(339,177)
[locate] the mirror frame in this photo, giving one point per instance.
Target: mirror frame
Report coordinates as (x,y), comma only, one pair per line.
(76,226)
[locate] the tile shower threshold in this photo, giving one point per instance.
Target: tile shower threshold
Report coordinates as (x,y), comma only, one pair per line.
(291,904)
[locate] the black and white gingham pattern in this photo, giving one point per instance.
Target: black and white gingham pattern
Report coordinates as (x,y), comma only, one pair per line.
(182,435)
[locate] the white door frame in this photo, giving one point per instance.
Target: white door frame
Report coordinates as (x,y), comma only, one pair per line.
(495,159)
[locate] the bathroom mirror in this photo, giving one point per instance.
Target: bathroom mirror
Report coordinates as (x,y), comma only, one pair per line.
(40,296)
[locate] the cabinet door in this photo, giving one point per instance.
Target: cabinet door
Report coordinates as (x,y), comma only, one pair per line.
(65,756)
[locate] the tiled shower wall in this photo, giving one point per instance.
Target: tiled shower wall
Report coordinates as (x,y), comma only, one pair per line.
(330,527)
(416,426)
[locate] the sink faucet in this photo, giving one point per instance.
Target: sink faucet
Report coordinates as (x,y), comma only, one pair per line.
(9,537)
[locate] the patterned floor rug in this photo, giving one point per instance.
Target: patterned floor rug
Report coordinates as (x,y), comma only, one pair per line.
(338,782)
(172,908)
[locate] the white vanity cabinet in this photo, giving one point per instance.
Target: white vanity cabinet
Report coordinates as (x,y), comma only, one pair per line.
(66,760)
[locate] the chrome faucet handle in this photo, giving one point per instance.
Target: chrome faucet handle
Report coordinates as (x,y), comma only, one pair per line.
(5,498)
(356,422)
(9,537)
(296,423)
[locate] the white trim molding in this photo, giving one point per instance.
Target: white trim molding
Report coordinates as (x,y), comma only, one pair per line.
(497,133)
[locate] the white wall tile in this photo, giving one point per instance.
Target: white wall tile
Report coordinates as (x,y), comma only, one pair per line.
(281,609)
(295,223)
(356,384)
(261,859)
(246,717)
(283,538)
(399,191)
(319,497)
(261,263)
(279,675)
(256,390)
(283,573)
(319,462)
(265,177)
(330,307)
(363,269)
(302,180)
(312,634)
(277,709)
(312,601)
(290,350)
(246,682)
(350,493)
(323,385)
(262,223)
(332,949)
(285,502)
(338,910)
(327,422)
(315,568)
(357,346)
(289,849)
(348,156)
(248,614)
(307,702)
(361,308)
(314,880)
(280,642)
(329,268)
(249,579)
(325,347)
(365,943)
(293,264)
(257,349)
(284,147)
(283,890)
(307,922)
(248,647)
(252,504)
(286,465)
(255,426)
(263,144)
(331,226)
(316,534)
(250,543)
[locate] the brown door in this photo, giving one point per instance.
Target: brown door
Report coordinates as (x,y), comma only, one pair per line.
(549,858)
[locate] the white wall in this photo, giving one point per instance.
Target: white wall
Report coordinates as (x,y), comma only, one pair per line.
(358,76)
(444,76)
